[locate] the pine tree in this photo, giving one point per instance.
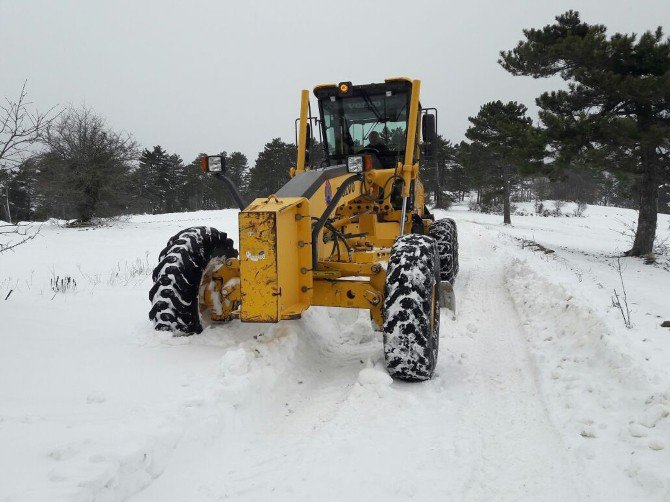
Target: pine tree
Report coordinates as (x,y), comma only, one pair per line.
(317,155)
(455,179)
(147,181)
(479,171)
(206,191)
(271,169)
(159,182)
(236,169)
(509,142)
(615,114)
(17,192)
(443,174)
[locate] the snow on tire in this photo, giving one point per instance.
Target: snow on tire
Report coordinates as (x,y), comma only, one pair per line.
(174,295)
(411,308)
(446,235)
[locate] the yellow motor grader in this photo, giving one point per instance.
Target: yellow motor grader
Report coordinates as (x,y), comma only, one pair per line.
(352,231)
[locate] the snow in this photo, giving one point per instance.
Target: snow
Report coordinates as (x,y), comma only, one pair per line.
(540,393)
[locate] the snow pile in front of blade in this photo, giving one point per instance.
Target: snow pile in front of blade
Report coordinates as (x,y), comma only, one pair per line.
(615,414)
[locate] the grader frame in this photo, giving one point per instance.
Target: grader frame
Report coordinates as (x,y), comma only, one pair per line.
(324,238)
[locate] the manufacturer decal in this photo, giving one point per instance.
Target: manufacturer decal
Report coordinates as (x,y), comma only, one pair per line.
(256,257)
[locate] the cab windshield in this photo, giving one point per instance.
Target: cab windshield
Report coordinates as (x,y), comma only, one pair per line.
(376,121)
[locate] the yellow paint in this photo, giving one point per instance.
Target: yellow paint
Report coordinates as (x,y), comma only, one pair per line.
(221,293)
(323,86)
(409,168)
(276,280)
(258,266)
(274,268)
(302,132)
(347,294)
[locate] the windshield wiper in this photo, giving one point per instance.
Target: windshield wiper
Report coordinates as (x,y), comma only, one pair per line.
(369,102)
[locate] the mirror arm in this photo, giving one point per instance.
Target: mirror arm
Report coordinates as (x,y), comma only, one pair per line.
(232,189)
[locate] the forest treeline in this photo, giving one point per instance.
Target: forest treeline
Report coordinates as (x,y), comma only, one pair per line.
(604,139)
(87,170)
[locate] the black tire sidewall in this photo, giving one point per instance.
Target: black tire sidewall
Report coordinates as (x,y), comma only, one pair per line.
(411,308)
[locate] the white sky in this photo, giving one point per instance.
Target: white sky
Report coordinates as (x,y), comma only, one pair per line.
(205,76)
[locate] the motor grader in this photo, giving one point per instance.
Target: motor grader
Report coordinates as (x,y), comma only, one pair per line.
(351,230)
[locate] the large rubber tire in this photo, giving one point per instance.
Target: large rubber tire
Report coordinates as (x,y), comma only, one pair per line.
(174,295)
(411,309)
(446,235)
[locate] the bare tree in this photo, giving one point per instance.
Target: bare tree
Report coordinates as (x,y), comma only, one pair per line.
(12,236)
(20,128)
(85,166)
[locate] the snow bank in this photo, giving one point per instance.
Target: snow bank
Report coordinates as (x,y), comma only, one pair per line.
(613,412)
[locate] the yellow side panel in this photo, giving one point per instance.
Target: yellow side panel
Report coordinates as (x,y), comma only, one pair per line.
(292,269)
(258,267)
(275,259)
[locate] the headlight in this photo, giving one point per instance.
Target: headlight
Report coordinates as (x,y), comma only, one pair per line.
(212,163)
(355,164)
(215,164)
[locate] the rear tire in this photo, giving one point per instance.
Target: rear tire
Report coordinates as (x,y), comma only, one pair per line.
(411,310)
(446,235)
(174,295)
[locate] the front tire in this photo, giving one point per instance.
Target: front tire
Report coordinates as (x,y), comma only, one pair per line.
(411,308)
(174,295)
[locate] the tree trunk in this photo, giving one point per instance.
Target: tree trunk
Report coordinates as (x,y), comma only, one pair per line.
(507,217)
(647,214)
(9,212)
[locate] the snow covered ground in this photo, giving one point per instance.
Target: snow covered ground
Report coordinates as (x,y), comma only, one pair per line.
(541,392)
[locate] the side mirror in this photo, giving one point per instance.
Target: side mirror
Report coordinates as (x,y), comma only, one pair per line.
(212,163)
(429,135)
(310,138)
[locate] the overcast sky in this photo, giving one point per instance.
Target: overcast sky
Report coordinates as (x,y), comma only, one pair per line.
(205,76)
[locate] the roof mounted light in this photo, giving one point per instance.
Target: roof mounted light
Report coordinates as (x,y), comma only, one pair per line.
(344,87)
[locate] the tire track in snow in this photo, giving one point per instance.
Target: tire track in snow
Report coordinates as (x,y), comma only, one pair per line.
(516,453)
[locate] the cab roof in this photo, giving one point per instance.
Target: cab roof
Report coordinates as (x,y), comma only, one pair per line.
(398,84)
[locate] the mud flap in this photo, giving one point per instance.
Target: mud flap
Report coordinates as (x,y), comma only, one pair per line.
(447,296)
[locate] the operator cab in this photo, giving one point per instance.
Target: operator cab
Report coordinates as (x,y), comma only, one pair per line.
(365,119)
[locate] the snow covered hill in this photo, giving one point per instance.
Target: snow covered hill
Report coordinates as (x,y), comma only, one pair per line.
(541,393)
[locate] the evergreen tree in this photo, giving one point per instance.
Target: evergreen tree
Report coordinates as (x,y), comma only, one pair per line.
(271,169)
(479,171)
(197,188)
(17,192)
(509,141)
(317,155)
(445,174)
(455,179)
(206,191)
(237,167)
(159,182)
(616,111)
